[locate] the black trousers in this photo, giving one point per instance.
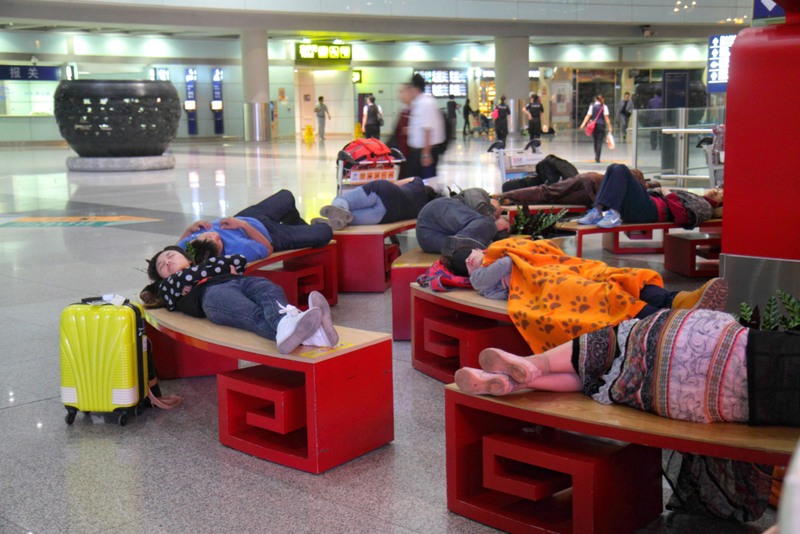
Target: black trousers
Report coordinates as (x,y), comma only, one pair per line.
(372,131)
(599,136)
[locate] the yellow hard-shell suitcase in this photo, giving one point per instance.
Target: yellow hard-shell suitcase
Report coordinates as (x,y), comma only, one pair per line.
(103,359)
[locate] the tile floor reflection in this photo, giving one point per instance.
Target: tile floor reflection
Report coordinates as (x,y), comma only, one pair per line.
(165,472)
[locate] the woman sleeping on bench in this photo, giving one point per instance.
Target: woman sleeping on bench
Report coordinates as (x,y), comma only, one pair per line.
(553,298)
(215,287)
(692,365)
(622,198)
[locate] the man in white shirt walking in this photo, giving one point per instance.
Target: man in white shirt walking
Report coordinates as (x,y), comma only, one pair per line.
(321,110)
(426,130)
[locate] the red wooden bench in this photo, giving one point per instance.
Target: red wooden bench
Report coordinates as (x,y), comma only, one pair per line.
(681,252)
(611,235)
(548,462)
(312,409)
(405,271)
(364,257)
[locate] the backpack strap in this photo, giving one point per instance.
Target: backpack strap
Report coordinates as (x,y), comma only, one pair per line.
(166,402)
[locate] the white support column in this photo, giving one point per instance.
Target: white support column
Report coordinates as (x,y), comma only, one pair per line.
(255,85)
(511,66)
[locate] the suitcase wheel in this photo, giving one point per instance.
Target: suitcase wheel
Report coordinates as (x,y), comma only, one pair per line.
(71,413)
(139,409)
(123,419)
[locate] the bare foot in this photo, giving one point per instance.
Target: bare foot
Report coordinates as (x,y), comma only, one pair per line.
(478,382)
(522,370)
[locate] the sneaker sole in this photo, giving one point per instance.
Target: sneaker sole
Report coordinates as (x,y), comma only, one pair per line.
(318,300)
(498,361)
(614,225)
(334,212)
(335,224)
(303,329)
(714,297)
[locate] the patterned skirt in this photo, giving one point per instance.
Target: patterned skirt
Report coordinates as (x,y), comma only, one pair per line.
(679,364)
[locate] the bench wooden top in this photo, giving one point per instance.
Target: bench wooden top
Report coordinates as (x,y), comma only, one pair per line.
(193,330)
(378,229)
(466,297)
(573,226)
(416,258)
(588,413)
(276,257)
(547,207)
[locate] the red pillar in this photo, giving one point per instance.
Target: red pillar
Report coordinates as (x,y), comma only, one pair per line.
(762,146)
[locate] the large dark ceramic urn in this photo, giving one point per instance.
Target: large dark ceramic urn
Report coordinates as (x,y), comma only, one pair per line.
(117,118)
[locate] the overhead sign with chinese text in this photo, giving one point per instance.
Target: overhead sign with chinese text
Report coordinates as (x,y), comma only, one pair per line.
(767,9)
(30,73)
(322,53)
(719,56)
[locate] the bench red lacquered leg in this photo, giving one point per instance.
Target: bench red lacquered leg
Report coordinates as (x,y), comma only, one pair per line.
(521,477)
(310,416)
(402,278)
(365,263)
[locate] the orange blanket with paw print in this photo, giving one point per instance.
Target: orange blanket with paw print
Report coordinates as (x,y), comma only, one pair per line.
(554,298)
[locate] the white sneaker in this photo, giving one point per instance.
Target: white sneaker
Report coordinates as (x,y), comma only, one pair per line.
(296,326)
(592,217)
(326,335)
(610,220)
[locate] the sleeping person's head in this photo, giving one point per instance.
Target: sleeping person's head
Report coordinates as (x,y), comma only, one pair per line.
(168,262)
(214,241)
(202,249)
(464,261)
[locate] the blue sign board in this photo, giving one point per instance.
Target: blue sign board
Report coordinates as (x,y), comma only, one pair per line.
(216,102)
(190,105)
(29,73)
(719,56)
(767,9)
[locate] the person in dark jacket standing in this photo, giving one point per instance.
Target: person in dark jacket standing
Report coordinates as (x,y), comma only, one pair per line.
(501,122)
(598,112)
(534,111)
(468,111)
(452,116)
(655,118)
(625,112)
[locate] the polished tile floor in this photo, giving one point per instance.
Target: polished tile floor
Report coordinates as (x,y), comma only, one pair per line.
(165,472)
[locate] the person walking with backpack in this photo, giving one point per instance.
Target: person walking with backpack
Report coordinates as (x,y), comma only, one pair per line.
(426,130)
(598,113)
(501,121)
(372,119)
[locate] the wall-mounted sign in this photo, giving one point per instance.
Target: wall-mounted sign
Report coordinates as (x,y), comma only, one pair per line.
(443,83)
(160,74)
(358,77)
(767,9)
(216,101)
(719,56)
(488,74)
(30,73)
(190,105)
(322,53)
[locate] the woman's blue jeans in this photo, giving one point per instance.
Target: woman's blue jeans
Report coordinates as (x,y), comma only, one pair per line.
(366,208)
(444,217)
(620,191)
(248,303)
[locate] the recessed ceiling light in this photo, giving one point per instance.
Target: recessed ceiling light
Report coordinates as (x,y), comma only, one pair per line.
(728,20)
(676,9)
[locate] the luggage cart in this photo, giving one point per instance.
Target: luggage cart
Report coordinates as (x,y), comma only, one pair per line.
(516,161)
(360,173)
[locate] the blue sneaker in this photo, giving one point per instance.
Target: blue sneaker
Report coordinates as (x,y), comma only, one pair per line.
(610,220)
(592,217)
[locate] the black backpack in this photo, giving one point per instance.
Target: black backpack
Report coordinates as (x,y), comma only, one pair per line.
(553,169)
